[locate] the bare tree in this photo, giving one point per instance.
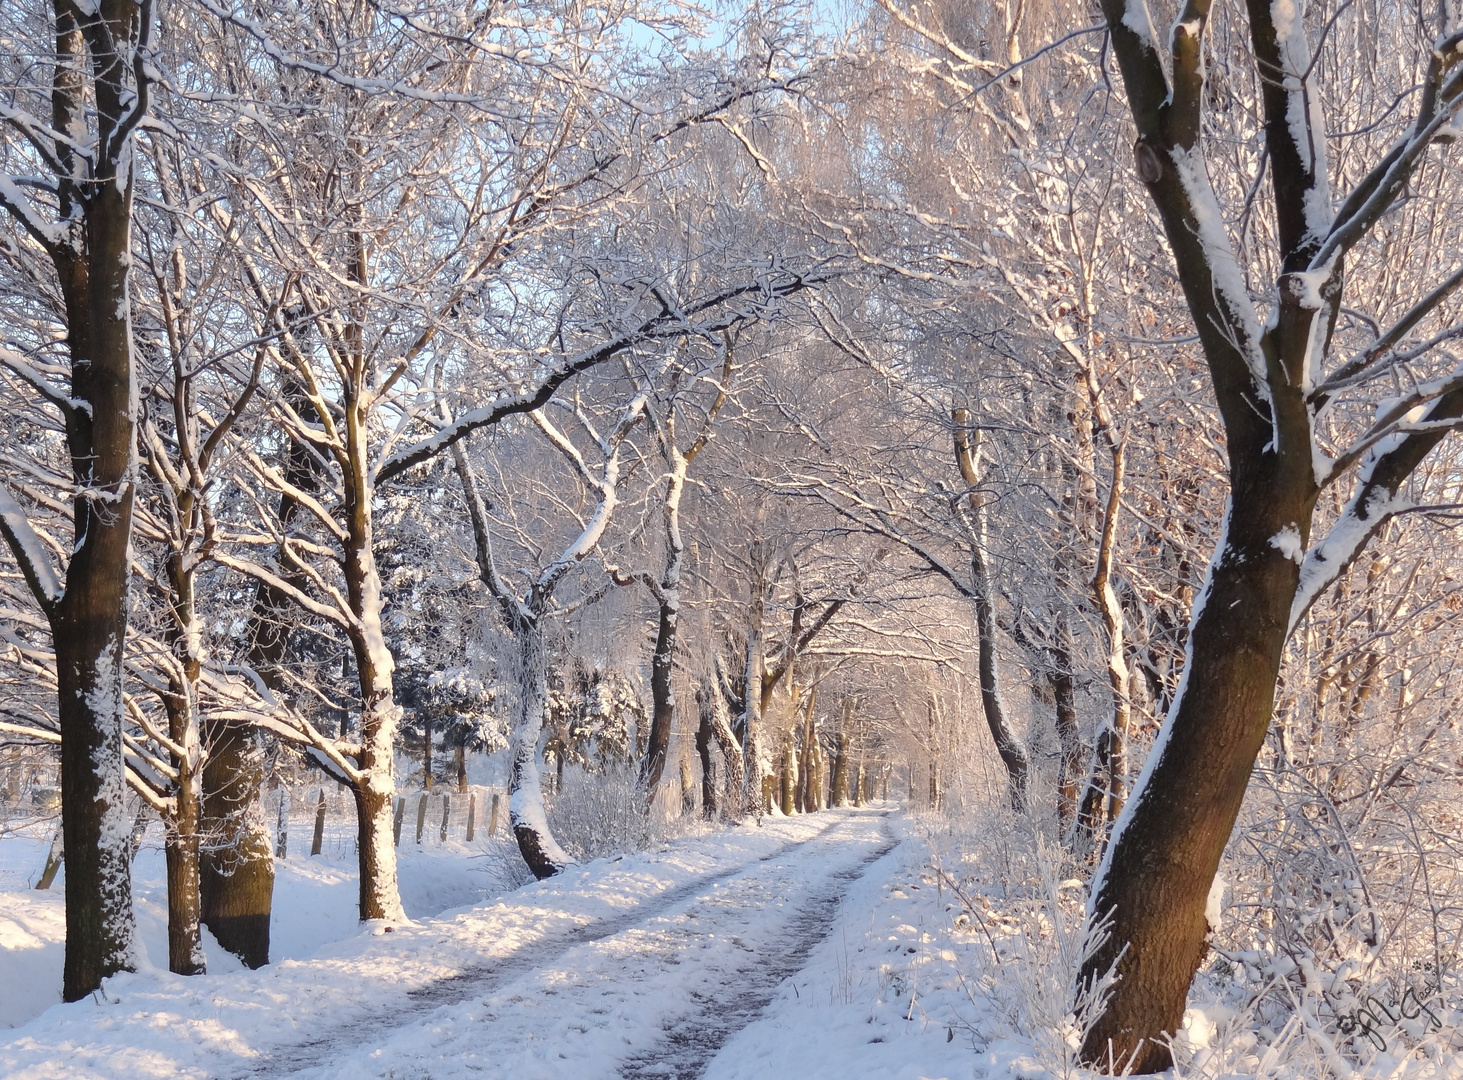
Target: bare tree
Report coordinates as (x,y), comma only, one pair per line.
(525,616)
(667,588)
(77,89)
(1292,425)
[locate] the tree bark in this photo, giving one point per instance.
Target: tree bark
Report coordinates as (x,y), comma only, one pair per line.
(705,736)
(714,702)
(185,943)
(99,94)
(757,785)
(839,795)
(526,811)
(236,867)
(375,789)
(1012,751)
(662,690)
(1165,854)
(789,776)
(1069,737)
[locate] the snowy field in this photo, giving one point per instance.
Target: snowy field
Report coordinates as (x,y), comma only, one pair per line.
(807,947)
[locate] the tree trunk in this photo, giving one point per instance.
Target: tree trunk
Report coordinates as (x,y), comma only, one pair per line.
(89,619)
(375,787)
(236,867)
(688,789)
(185,943)
(662,691)
(839,795)
(526,812)
(1165,851)
(99,924)
(756,793)
(731,749)
(1069,735)
(1013,753)
(705,735)
(788,793)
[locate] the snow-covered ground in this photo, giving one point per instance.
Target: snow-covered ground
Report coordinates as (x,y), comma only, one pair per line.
(314,902)
(813,947)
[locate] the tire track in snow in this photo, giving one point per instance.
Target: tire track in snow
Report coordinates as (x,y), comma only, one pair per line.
(693,1039)
(294,1058)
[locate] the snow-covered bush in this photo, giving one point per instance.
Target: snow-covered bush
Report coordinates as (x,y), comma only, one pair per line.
(601,813)
(1323,960)
(1012,889)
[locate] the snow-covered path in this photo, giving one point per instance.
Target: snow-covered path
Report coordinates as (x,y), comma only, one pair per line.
(637,967)
(654,991)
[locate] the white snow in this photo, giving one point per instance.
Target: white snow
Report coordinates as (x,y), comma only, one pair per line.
(582,974)
(1327,560)
(1304,116)
(1287,541)
(1224,268)
(1214,905)
(27,544)
(1137,19)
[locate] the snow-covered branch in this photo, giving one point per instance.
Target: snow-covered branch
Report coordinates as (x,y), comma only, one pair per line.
(29,552)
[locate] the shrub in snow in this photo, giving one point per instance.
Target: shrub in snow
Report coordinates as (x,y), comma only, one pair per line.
(601,813)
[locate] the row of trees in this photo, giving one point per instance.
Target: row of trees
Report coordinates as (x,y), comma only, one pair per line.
(475,363)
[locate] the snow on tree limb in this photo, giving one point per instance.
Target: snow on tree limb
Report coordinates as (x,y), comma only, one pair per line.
(29,552)
(1376,500)
(20,207)
(666,323)
(1369,200)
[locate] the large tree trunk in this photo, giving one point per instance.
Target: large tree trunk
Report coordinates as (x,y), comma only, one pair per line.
(94,820)
(1165,852)
(236,866)
(526,810)
(89,619)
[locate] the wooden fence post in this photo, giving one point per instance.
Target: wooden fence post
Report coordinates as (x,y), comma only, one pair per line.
(472,813)
(446,809)
(319,825)
(396,823)
(421,816)
(493,819)
(53,862)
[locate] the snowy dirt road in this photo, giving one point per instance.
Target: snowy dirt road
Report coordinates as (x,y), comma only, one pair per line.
(645,966)
(654,991)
